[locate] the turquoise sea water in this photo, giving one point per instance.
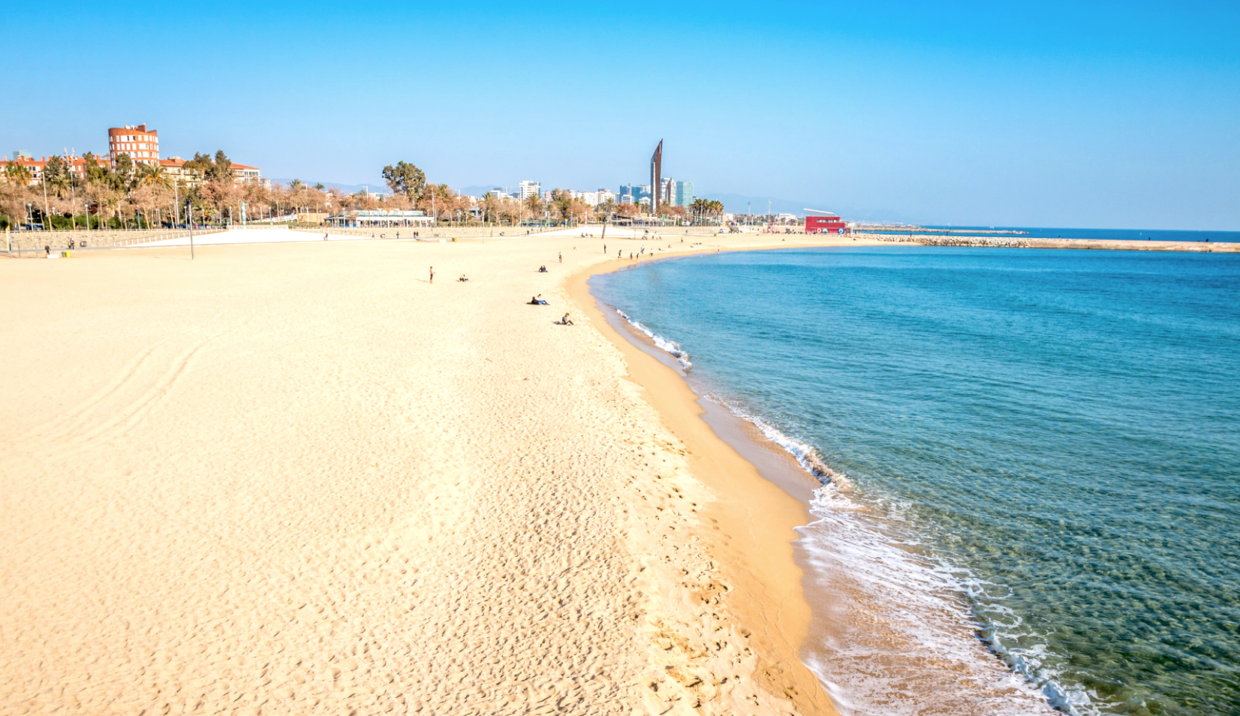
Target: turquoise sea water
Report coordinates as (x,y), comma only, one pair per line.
(1037,457)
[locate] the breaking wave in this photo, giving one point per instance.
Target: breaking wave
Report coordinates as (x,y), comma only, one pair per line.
(670,347)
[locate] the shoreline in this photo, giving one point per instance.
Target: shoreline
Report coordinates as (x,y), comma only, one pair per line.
(777,527)
(827,591)
(756,512)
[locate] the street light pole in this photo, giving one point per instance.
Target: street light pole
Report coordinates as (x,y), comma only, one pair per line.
(45,210)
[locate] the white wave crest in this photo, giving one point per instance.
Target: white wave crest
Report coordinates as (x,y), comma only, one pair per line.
(670,347)
(917,600)
(804,453)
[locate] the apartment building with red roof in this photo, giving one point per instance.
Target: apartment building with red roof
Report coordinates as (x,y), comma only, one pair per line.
(142,146)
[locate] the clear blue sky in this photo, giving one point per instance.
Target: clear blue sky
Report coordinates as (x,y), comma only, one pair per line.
(1121,115)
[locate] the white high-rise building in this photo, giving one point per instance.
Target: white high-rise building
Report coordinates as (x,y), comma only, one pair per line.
(605,196)
(530,188)
(590,198)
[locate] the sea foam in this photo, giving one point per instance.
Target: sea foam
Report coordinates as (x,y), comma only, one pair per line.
(910,597)
(943,618)
(670,347)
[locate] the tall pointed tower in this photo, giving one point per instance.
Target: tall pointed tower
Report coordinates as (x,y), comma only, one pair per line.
(656,178)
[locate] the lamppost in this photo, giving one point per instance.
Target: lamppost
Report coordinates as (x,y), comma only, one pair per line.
(45,209)
(189,207)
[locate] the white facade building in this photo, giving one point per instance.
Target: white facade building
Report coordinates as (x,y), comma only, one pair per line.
(530,188)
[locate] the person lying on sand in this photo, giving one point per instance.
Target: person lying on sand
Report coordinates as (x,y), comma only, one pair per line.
(463,278)
(538,301)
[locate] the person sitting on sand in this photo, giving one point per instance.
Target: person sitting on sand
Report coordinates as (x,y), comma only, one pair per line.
(542,269)
(463,278)
(566,321)
(538,301)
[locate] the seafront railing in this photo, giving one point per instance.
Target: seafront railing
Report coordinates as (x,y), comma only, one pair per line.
(20,242)
(424,233)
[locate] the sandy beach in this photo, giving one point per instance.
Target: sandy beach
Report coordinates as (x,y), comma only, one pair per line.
(302,478)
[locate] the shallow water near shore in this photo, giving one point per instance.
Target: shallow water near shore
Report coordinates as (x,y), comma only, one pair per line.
(1031,458)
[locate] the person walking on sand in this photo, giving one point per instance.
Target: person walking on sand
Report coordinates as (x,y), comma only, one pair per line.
(561,257)
(432,274)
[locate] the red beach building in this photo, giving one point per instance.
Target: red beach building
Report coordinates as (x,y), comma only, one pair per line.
(824,224)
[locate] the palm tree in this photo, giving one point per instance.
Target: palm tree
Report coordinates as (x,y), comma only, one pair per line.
(489,203)
(534,204)
(561,205)
(699,207)
(17,173)
(296,184)
(152,176)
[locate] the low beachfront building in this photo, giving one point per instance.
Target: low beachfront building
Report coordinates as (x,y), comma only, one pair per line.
(380,218)
(174,169)
(72,163)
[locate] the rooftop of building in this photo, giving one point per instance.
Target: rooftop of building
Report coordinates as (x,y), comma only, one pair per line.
(131,128)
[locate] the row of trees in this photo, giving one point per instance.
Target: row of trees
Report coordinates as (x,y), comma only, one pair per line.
(139,195)
(131,195)
(126,195)
(410,188)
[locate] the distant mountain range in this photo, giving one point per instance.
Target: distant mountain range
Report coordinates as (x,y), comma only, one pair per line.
(742,204)
(480,190)
(377,187)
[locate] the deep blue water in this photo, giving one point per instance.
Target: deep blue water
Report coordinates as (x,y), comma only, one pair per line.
(1048,440)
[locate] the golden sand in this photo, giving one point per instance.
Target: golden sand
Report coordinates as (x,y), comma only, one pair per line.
(300,478)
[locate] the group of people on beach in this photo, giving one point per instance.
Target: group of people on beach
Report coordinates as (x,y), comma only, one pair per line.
(537,300)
